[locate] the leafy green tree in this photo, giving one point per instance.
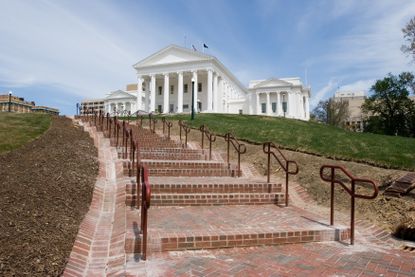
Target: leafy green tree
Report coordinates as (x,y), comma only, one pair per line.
(332,112)
(389,109)
(409,35)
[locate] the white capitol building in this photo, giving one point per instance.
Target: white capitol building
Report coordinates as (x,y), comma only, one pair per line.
(164,84)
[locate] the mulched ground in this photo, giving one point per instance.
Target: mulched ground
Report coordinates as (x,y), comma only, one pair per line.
(45,191)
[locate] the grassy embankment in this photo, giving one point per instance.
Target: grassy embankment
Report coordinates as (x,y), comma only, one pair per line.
(315,138)
(18,129)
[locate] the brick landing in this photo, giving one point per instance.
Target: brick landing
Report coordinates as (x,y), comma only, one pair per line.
(181,228)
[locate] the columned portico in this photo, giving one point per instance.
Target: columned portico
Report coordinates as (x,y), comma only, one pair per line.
(216,89)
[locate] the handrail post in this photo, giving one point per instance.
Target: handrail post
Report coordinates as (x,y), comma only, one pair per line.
(180,131)
(286,184)
(210,149)
(239,162)
(269,163)
(332,197)
(228,140)
(352,213)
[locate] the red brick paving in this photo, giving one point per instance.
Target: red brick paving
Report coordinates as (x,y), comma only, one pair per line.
(100,246)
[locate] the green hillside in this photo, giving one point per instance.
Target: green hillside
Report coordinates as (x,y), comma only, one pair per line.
(18,129)
(328,141)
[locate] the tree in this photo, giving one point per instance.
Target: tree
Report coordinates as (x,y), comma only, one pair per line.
(332,112)
(409,35)
(389,109)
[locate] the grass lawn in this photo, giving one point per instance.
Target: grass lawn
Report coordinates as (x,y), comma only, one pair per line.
(17,129)
(311,137)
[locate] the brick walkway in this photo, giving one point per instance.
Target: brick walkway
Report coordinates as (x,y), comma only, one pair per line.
(107,242)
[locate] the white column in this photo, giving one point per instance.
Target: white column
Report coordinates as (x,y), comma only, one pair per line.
(219,106)
(268,104)
(180,92)
(147,96)
(215,93)
(139,92)
(166,93)
(307,108)
(279,104)
(153,94)
(209,90)
(194,79)
(258,104)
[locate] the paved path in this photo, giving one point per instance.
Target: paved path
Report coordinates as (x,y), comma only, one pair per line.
(99,248)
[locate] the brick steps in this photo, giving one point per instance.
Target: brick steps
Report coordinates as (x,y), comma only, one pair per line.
(189,228)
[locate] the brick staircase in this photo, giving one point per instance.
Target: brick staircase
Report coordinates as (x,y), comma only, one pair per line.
(199,204)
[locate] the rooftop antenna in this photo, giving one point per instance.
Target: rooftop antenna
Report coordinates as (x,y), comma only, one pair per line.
(185,41)
(306,79)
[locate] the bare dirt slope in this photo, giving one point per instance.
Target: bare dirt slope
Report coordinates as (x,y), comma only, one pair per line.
(45,190)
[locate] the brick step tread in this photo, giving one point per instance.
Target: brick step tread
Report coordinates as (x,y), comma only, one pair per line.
(210,188)
(207,180)
(191,172)
(172,156)
(185,172)
(171,150)
(201,227)
(204,199)
(153,163)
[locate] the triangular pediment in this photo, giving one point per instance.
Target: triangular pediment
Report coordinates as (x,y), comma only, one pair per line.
(119,94)
(172,54)
(272,83)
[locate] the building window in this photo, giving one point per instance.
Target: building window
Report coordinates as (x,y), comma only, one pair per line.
(159,108)
(199,87)
(160,90)
(185,88)
(263,108)
(274,107)
(171,89)
(185,107)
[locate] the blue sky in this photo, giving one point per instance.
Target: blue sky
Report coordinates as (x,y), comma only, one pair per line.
(61,51)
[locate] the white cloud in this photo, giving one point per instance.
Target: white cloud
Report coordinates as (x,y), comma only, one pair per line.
(330,87)
(59,43)
(361,85)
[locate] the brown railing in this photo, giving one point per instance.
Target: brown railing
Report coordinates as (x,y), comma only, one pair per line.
(144,185)
(331,178)
(240,149)
(270,148)
(210,136)
(185,129)
(166,124)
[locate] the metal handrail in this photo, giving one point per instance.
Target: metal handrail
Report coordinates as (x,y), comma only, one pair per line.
(210,136)
(168,124)
(145,204)
(239,147)
(186,130)
(268,148)
(152,123)
(351,191)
